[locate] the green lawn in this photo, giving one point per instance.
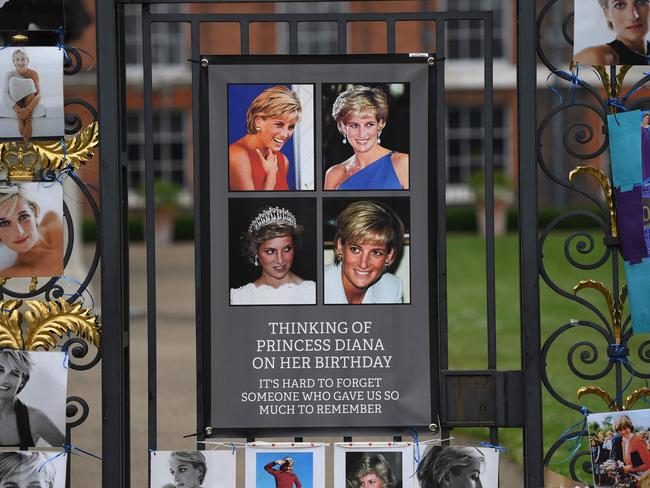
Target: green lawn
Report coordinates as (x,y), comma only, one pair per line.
(467,327)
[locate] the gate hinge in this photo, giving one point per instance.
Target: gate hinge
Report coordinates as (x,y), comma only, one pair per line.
(485,398)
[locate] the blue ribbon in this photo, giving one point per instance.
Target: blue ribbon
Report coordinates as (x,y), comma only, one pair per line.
(232,448)
(577,438)
(494,446)
(619,354)
(72,448)
(66,450)
(574,81)
(92,300)
(614,102)
(416,440)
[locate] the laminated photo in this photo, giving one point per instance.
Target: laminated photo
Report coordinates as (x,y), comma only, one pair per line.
(619,444)
(32,93)
(374,464)
(31,229)
(458,466)
(271,137)
(611,32)
(285,465)
(33,469)
(193,469)
(33,390)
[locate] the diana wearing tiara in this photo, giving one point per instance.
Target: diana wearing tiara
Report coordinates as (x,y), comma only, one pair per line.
(255,161)
(35,237)
(361,113)
(270,244)
(369,236)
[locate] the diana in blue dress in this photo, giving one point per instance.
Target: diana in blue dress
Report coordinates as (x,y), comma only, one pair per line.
(360,113)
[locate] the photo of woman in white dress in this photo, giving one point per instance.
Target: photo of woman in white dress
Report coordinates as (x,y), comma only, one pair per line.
(270,244)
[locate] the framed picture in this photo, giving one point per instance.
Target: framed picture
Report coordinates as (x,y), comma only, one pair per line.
(295,464)
(373,464)
(32,93)
(31,229)
(34,384)
(272,282)
(606,34)
(214,469)
(33,469)
(618,444)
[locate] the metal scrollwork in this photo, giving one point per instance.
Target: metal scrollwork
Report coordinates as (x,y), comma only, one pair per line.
(602,350)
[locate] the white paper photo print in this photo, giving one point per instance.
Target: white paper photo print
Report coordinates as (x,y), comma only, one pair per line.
(34,386)
(291,465)
(193,469)
(33,469)
(458,466)
(611,32)
(31,80)
(618,444)
(372,464)
(31,229)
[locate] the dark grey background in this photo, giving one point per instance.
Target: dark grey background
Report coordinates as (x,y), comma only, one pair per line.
(403,328)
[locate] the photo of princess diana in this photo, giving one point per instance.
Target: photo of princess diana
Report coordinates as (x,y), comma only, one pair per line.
(192,469)
(366,136)
(32,93)
(270,137)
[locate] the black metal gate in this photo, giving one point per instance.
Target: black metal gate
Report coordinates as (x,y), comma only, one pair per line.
(498,398)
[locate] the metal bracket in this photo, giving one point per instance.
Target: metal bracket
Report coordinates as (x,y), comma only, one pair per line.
(486,398)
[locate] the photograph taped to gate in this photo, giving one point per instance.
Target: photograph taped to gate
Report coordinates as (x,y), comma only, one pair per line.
(366,254)
(31,229)
(271,137)
(272,251)
(32,93)
(458,467)
(33,469)
(285,467)
(611,32)
(366,136)
(33,388)
(619,445)
(193,469)
(384,465)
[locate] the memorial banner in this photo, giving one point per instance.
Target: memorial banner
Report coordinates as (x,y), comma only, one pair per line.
(319,257)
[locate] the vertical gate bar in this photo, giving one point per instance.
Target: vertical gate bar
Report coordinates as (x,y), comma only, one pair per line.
(488,110)
(528,244)
(201,241)
(114,239)
(244,33)
(343,36)
(293,37)
(150,229)
(390,36)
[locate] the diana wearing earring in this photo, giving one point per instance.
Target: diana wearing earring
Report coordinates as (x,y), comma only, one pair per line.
(361,115)
(35,237)
(270,244)
(255,161)
(369,236)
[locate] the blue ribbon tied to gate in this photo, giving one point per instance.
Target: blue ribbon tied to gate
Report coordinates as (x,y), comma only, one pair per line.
(577,437)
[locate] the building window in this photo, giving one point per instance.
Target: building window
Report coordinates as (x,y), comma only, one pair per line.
(465,144)
(465,37)
(168,146)
(168,39)
(313,37)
